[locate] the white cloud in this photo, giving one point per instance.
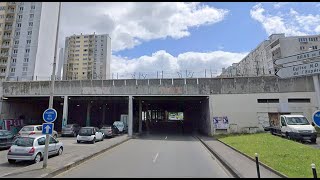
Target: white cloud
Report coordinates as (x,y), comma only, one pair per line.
(130,24)
(291,23)
(193,62)
(279,4)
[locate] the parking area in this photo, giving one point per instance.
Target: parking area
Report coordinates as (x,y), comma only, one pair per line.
(72,150)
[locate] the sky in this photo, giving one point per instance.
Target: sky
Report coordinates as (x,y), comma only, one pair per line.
(177,39)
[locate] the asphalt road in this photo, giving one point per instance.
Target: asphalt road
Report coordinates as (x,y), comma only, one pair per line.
(152,156)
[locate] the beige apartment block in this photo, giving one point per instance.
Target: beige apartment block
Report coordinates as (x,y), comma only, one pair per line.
(87,56)
(259,62)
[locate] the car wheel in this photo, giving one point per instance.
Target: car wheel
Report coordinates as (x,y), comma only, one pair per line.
(11,161)
(37,158)
(314,141)
(78,141)
(60,151)
(287,136)
(93,141)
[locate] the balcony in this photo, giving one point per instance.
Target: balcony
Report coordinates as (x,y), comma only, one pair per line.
(5,46)
(2,74)
(11,3)
(10,11)
(6,37)
(8,28)
(4,54)
(9,20)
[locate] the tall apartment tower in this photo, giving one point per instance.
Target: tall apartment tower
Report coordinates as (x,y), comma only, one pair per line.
(27,39)
(87,57)
(259,62)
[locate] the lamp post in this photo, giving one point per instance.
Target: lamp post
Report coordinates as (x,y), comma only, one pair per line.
(45,158)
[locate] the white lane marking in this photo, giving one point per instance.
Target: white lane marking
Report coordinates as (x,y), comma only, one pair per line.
(155,158)
(166,137)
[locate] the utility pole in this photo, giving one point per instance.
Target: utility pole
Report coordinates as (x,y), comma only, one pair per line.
(45,158)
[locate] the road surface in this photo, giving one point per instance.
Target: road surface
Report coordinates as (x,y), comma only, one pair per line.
(152,156)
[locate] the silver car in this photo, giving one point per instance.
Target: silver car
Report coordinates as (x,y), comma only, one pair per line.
(31,148)
(34,129)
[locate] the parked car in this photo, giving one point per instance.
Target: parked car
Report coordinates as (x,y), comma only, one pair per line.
(31,148)
(120,126)
(90,134)
(6,138)
(70,129)
(295,127)
(34,129)
(108,130)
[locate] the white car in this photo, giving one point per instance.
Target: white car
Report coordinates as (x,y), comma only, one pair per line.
(34,129)
(31,148)
(90,134)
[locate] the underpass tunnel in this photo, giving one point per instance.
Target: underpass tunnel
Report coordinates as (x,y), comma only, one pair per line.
(170,114)
(96,111)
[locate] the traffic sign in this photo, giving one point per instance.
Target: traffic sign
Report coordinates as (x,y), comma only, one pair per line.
(49,115)
(299,70)
(316,118)
(298,57)
(47,128)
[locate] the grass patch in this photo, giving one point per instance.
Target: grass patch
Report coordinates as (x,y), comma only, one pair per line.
(288,157)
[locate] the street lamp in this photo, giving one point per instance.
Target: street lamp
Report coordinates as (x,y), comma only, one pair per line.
(45,158)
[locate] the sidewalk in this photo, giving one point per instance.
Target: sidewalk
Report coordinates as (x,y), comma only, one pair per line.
(66,161)
(241,165)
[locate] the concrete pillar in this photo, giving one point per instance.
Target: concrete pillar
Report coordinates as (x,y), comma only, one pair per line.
(65,112)
(104,113)
(317,89)
(88,114)
(140,116)
(130,120)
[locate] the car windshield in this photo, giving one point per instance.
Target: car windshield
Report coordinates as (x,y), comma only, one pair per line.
(297,121)
(85,131)
(5,133)
(24,141)
(27,129)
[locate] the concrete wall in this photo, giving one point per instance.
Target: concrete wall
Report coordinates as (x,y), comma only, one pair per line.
(244,110)
(202,86)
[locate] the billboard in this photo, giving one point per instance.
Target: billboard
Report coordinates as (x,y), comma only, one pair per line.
(174,116)
(221,122)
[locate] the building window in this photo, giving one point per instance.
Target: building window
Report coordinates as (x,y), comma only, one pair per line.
(20,17)
(14,60)
(2,16)
(31,16)
(29,32)
(16,42)
(26,60)
(77,41)
(77,50)
(17,33)
(268,100)
(19,25)
(13,70)
(27,50)
(314,47)
(3,70)
(85,54)
(21,8)
(15,51)
(33,7)
(25,69)
(76,54)
(302,47)
(28,41)
(299,100)
(30,23)
(2,8)
(77,45)
(85,36)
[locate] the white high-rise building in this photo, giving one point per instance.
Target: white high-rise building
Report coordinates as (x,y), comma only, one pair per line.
(87,57)
(28,39)
(259,62)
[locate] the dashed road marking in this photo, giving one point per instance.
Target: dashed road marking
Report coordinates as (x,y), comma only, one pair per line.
(155,158)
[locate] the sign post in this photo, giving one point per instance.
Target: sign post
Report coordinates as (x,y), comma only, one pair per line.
(49,116)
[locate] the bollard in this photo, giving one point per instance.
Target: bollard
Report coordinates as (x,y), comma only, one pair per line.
(314,171)
(257,163)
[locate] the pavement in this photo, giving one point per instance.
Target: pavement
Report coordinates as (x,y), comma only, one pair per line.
(153,156)
(73,154)
(242,165)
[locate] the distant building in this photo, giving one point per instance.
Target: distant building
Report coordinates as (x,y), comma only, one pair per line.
(27,39)
(87,57)
(259,62)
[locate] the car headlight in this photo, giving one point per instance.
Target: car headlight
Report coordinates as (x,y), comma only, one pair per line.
(313,130)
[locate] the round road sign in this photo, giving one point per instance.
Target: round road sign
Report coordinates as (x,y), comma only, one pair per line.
(49,115)
(316,118)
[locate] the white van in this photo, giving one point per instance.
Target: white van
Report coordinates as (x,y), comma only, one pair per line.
(295,127)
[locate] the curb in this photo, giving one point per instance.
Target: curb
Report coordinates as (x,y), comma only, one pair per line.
(74,163)
(262,164)
(232,171)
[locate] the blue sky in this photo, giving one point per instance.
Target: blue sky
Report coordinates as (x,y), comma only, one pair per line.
(176,36)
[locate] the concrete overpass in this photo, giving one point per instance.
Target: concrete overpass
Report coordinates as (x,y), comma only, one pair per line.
(134,91)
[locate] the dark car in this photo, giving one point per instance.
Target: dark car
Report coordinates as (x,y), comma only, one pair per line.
(71,130)
(108,130)
(6,139)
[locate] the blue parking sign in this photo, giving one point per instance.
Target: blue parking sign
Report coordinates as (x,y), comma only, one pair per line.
(47,128)
(49,115)
(316,118)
